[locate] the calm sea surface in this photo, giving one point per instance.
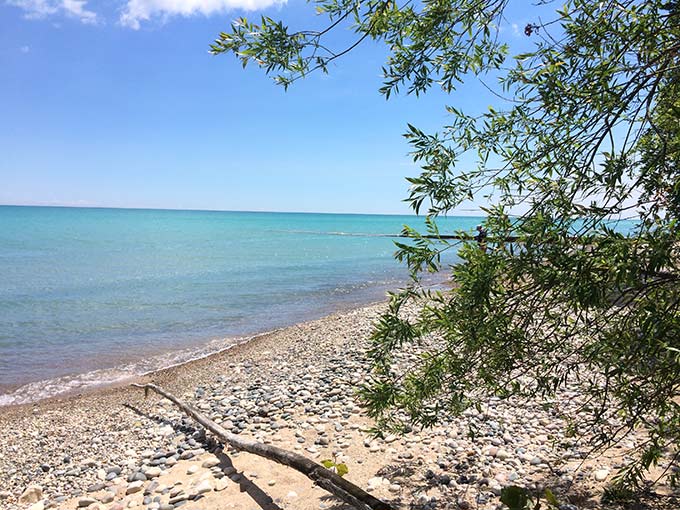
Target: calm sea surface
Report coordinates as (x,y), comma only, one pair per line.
(90,296)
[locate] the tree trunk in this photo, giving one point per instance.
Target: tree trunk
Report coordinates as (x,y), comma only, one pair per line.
(324,478)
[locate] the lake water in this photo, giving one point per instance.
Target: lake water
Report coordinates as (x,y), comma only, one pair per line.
(90,296)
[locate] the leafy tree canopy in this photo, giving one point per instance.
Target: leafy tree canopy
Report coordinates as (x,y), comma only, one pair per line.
(587,134)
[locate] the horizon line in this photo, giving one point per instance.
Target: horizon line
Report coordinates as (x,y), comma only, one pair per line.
(62,206)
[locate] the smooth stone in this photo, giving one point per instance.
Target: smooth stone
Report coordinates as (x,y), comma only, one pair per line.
(32,494)
(153,472)
(137,477)
(204,486)
(106,498)
(134,487)
(601,475)
(96,487)
(208,463)
(85,502)
(151,487)
(192,470)
(422,499)
(178,498)
(502,455)
(375,482)
(167,430)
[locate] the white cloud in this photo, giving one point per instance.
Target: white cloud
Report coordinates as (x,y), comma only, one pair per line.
(25,49)
(136,11)
(77,8)
(39,9)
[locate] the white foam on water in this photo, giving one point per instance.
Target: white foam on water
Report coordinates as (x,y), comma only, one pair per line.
(69,384)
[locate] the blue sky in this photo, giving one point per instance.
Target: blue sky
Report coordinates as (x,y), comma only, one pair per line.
(119,104)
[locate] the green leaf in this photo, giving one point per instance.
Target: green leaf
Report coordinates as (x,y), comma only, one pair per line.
(342,469)
(327,463)
(551,499)
(516,498)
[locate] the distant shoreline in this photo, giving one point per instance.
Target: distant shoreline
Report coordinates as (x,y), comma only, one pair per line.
(262,211)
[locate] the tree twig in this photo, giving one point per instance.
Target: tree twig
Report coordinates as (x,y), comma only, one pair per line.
(324,478)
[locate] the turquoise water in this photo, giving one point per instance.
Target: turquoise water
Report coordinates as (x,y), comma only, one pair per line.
(88,296)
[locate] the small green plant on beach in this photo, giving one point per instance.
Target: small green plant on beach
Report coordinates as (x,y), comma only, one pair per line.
(584,135)
(340,468)
(519,498)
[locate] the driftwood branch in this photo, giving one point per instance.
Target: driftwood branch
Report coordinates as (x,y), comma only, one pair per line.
(324,478)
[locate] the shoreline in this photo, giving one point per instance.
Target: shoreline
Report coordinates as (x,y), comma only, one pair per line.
(241,346)
(196,351)
(41,440)
(189,355)
(114,449)
(88,389)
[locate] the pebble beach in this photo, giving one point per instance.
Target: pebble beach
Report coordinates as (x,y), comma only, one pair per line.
(114,448)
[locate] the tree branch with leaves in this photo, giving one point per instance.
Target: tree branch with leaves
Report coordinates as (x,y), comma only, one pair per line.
(578,163)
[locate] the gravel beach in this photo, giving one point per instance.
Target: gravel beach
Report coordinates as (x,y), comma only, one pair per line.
(115,449)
